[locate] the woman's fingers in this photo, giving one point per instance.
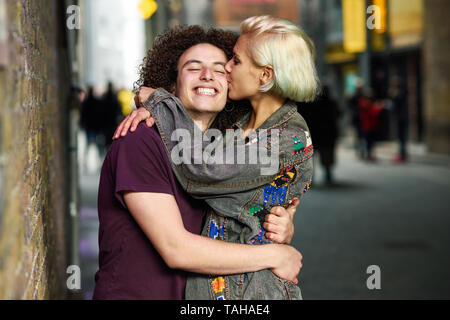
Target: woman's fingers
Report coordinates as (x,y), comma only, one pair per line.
(279,215)
(271,228)
(142,114)
(150,122)
(274,237)
(293,207)
(119,128)
(278,225)
(134,124)
(127,124)
(131,122)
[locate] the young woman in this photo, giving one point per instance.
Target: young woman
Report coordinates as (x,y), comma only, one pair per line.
(272,67)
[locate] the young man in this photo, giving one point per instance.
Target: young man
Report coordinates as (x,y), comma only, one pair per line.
(149,227)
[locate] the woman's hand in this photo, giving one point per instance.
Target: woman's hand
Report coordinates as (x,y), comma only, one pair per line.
(134,118)
(279,223)
(289,264)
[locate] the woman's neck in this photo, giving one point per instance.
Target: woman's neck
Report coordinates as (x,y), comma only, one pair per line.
(264,105)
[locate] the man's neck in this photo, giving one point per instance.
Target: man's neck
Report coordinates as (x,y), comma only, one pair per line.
(203,120)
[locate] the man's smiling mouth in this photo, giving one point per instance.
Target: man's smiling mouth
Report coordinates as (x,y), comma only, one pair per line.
(205,91)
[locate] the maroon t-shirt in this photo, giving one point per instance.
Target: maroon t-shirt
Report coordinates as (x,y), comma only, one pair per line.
(129,265)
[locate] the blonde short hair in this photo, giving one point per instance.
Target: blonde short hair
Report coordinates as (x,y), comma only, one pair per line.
(284,46)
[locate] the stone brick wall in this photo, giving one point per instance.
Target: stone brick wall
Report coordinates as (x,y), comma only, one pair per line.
(34,84)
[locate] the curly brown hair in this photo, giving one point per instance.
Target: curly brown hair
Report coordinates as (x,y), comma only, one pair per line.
(159,68)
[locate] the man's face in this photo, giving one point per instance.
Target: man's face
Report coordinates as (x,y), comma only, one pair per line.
(202,83)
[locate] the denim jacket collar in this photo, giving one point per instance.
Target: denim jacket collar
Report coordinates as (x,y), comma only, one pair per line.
(283,114)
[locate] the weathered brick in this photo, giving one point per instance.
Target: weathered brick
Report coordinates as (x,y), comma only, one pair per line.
(32,236)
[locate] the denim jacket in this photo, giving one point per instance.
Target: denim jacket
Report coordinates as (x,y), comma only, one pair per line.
(240,192)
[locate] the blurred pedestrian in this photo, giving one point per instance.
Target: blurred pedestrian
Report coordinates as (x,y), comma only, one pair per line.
(369,111)
(91,122)
(322,118)
(353,105)
(110,116)
(91,116)
(399,106)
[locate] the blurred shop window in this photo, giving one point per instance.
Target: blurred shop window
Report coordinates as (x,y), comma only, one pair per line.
(406,22)
(354,25)
(334,25)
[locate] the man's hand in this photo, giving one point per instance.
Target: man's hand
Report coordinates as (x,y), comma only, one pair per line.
(279,224)
(134,118)
(288,267)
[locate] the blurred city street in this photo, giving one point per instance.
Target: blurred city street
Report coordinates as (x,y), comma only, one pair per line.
(390,215)
(372,83)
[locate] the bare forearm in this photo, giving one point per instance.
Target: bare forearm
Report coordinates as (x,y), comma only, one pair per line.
(181,249)
(208,256)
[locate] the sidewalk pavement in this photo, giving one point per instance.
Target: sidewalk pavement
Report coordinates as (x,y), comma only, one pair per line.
(417,152)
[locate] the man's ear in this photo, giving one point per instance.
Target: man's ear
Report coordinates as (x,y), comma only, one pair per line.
(267,75)
(173,89)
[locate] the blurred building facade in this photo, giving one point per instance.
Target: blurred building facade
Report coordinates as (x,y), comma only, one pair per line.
(408,43)
(112,43)
(226,14)
(349,51)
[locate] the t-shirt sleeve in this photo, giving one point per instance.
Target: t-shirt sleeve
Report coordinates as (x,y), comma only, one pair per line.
(140,164)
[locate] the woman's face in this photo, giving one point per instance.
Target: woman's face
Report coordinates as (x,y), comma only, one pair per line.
(243,75)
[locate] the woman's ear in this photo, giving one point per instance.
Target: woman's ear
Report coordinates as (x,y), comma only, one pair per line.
(267,75)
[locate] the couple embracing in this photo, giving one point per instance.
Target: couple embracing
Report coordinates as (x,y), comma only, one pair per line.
(205,230)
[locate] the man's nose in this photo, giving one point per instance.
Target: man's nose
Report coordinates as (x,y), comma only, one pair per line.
(207,74)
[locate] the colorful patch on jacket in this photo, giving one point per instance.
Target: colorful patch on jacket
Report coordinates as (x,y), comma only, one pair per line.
(276,190)
(307,187)
(298,144)
(215,231)
(253,209)
(300,148)
(260,213)
(258,239)
(218,284)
